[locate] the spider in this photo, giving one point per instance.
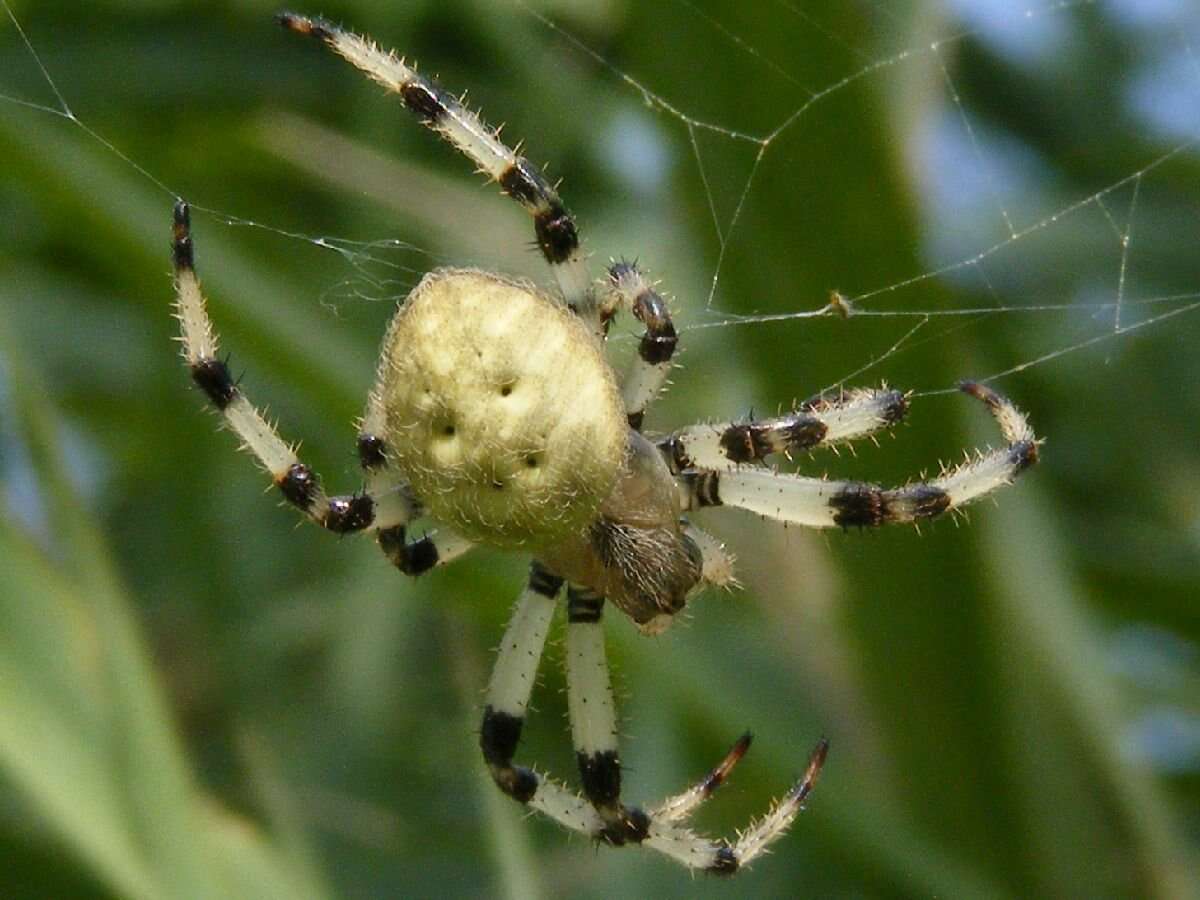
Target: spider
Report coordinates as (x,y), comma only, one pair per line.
(495,413)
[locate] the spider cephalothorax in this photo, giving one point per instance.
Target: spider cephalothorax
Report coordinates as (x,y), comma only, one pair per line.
(495,412)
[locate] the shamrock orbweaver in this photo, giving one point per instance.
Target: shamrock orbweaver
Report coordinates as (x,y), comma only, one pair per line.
(495,412)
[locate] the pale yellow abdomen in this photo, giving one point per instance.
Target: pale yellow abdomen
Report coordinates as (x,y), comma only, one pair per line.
(501,409)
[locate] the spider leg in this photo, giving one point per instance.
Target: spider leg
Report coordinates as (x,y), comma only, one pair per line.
(554,227)
(300,485)
(386,506)
(627,288)
(594,732)
(415,557)
(507,701)
(593,725)
(818,503)
(761,833)
(594,719)
(681,806)
(716,562)
(821,421)
(512,682)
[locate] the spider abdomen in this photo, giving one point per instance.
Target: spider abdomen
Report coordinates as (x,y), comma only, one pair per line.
(501,409)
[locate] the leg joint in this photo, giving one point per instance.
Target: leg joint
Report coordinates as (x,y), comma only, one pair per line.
(583,605)
(601,776)
(725,862)
(212,376)
(299,485)
(498,738)
(425,100)
(703,488)
(499,735)
(632,826)
(347,514)
(372,451)
(543,581)
(411,558)
(556,233)
(516,781)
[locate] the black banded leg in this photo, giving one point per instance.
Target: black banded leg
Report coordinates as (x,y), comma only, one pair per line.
(821,422)
(817,503)
(299,484)
(416,557)
(727,858)
(394,501)
(628,288)
(504,717)
(681,806)
(594,719)
(512,683)
(507,702)
(594,731)
(554,227)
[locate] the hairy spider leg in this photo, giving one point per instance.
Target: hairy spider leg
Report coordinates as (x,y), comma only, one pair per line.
(820,503)
(823,421)
(588,688)
(716,562)
(594,719)
(628,288)
(681,806)
(385,506)
(555,229)
(511,686)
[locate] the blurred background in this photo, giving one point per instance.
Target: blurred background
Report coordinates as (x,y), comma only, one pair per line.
(199,698)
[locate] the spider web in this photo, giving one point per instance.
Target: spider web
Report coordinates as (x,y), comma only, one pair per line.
(1017,30)
(991,206)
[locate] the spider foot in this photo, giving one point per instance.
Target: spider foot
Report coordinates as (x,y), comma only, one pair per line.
(681,806)
(763,832)
(722,857)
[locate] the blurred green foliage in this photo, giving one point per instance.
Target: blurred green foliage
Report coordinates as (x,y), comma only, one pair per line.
(198,699)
